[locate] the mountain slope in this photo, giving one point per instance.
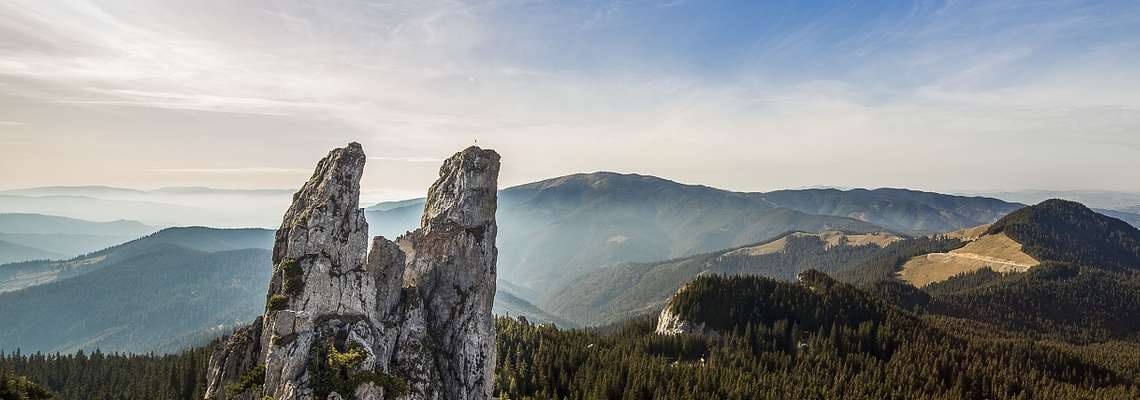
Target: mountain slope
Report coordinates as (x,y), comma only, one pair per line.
(43,224)
(15,252)
(21,275)
(64,245)
(1054,300)
(1086,288)
(175,287)
(899,209)
(1132,218)
(1065,231)
(172,206)
(1054,230)
(994,251)
(554,229)
(92,208)
(557,228)
(161,299)
(616,293)
(64,237)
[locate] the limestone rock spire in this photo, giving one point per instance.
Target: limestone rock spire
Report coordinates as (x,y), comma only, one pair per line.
(347,320)
(451,259)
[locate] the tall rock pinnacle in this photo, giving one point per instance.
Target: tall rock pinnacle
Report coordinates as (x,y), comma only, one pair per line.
(347,320)
(451,259)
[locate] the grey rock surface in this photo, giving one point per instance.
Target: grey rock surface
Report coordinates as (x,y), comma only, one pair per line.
(669,323)
(409,319)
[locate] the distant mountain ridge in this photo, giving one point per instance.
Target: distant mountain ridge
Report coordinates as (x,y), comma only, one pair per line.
(903,210)
(40,223)
(15,252)
(608,218)
(168,206)
(57,238)
(18,276)
(553,229)
(171,289)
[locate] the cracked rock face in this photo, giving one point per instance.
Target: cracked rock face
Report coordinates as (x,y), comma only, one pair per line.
(409,319)
(451,259)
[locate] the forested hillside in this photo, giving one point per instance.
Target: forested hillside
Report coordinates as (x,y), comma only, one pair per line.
(98,375)
(892,358)
(16,276)
(161,300)
(1086,290)
(1055,300)
(1065,231)
(616,293)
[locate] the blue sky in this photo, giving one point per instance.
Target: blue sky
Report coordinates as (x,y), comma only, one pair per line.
(746,95)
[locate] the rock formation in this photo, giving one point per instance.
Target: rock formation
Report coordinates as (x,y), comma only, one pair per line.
(669,323)
(409,319)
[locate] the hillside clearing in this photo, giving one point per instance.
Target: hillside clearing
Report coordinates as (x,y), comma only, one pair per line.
(998,252)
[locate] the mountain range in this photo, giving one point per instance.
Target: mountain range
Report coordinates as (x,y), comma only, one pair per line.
(169,290)
(53,237)
(764,311)
(1084,289)
(583,249)
(172,206)
(556,229)
(162,292)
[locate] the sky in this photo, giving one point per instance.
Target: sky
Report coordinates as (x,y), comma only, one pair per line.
(742,95)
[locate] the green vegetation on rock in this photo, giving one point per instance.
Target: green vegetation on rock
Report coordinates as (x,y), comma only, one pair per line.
(21,388)
(277,303)
(333,370)
(294,277)
(252,380)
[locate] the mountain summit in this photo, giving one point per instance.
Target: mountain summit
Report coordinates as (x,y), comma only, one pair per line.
(408,319)
(1067,231)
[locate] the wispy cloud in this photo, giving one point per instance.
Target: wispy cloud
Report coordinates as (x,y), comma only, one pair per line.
(701,91)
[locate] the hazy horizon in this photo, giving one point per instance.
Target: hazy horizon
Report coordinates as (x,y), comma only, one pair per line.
(937,96)
(410,196)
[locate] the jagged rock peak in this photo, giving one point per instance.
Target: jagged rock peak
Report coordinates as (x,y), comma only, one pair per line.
(451,260)
(330,197)
(409,320)
(466,189)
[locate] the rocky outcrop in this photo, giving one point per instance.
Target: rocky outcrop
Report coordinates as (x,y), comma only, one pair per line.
(345,319)
(451,259)
(669,323)
(240,354)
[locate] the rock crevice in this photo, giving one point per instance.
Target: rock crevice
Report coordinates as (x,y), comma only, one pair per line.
(409,319)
